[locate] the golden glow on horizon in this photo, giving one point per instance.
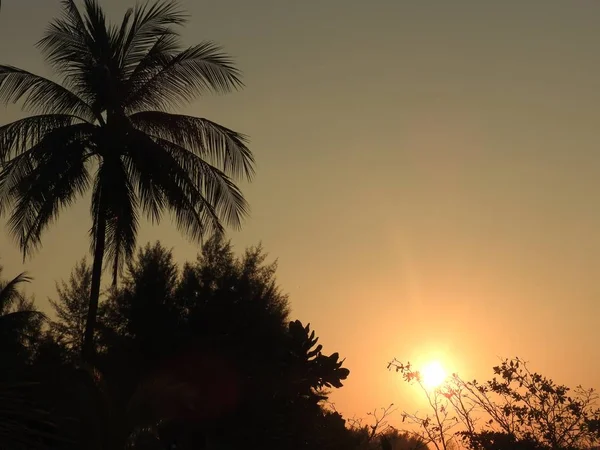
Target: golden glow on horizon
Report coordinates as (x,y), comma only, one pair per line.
(433,375)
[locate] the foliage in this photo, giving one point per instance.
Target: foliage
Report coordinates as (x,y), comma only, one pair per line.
(107,127)
(23,423)
(379,435)
(19,321)
(206,353)
(518,407)
(323,371)
(498,440)
(71,309)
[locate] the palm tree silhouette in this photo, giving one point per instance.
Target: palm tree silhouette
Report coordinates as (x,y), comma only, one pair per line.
(108,126)
(17,316)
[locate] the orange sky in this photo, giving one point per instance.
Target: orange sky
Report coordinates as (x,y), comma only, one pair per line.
(427,176)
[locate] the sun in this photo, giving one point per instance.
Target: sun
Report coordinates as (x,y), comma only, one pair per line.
(433,375)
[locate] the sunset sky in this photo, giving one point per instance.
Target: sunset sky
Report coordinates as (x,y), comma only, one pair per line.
(428,176)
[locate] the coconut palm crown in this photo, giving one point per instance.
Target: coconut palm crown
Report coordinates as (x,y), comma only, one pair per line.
(108,126)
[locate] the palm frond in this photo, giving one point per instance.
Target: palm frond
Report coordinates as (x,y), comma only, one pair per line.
(199,69)
(218,189)
(114,196)
(17,169)
(40,94)
(96,25)
(54,176)
(72,14)
(66,45)
(118,34)
(80,48)
(23,134)
(121,228)
(161,53)
(148,24)
(149,163)
(20,320)
(144,172)
(9,291)
(212,142)
(11,175)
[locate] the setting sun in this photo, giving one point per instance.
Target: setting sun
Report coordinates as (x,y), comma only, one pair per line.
(433,375)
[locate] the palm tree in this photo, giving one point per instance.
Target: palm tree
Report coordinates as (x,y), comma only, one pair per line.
(108,126)
(19,321)
(10,296)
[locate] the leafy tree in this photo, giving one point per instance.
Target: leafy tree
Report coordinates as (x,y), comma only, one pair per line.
(199,356)
(108,127)
(71,308)
(146,301)
(209,353)
(519,408)
(322,371)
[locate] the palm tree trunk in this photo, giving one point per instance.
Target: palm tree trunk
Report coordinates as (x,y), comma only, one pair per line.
(88,349)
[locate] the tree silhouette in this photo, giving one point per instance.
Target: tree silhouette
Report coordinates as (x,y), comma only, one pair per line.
(208,353)
(221,304)
(321,372)
(19,320)
(190,358)
(379,435)
(107,127)
(146,300)
(498,440)
(71,309)
(519,408)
